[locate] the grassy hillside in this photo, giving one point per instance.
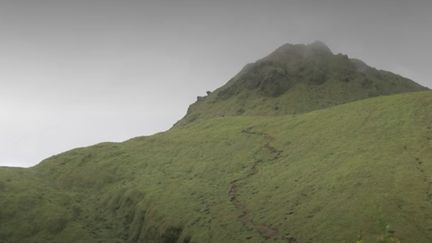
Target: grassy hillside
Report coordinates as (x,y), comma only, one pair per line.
(297,79)
(359,172)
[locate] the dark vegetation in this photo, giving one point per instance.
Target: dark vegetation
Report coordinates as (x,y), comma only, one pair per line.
(297,79)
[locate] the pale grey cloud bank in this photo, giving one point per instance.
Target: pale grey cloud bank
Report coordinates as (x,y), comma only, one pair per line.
(75,73)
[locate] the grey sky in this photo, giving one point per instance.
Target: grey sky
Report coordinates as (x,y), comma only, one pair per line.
(75,73)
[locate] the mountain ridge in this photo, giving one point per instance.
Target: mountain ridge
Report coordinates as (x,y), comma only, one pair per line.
(297,78)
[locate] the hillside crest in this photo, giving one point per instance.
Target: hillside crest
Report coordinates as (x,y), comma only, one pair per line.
(297,78)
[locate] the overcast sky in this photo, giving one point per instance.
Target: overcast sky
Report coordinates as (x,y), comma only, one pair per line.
(74,73)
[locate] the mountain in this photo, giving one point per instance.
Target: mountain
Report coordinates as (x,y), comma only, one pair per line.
(296,79)
(355,172)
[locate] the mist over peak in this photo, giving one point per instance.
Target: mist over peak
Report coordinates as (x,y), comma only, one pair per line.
(297,78)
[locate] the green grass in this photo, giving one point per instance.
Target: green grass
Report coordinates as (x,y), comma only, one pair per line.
(359,171)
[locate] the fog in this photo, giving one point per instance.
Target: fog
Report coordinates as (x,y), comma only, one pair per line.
(76,73)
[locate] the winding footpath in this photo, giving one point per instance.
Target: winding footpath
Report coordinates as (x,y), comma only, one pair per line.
(265,231)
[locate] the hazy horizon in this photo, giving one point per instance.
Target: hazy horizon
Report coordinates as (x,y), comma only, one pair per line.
(76,73)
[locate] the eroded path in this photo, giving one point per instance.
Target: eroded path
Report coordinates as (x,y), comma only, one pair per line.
(265,231)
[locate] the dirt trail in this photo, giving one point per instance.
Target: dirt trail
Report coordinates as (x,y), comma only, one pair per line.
(265,231)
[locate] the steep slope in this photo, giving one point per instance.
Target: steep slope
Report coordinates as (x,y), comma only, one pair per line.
(296,79)
(356,171)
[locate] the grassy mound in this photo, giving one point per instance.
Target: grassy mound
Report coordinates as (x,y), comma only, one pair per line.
(355,172)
